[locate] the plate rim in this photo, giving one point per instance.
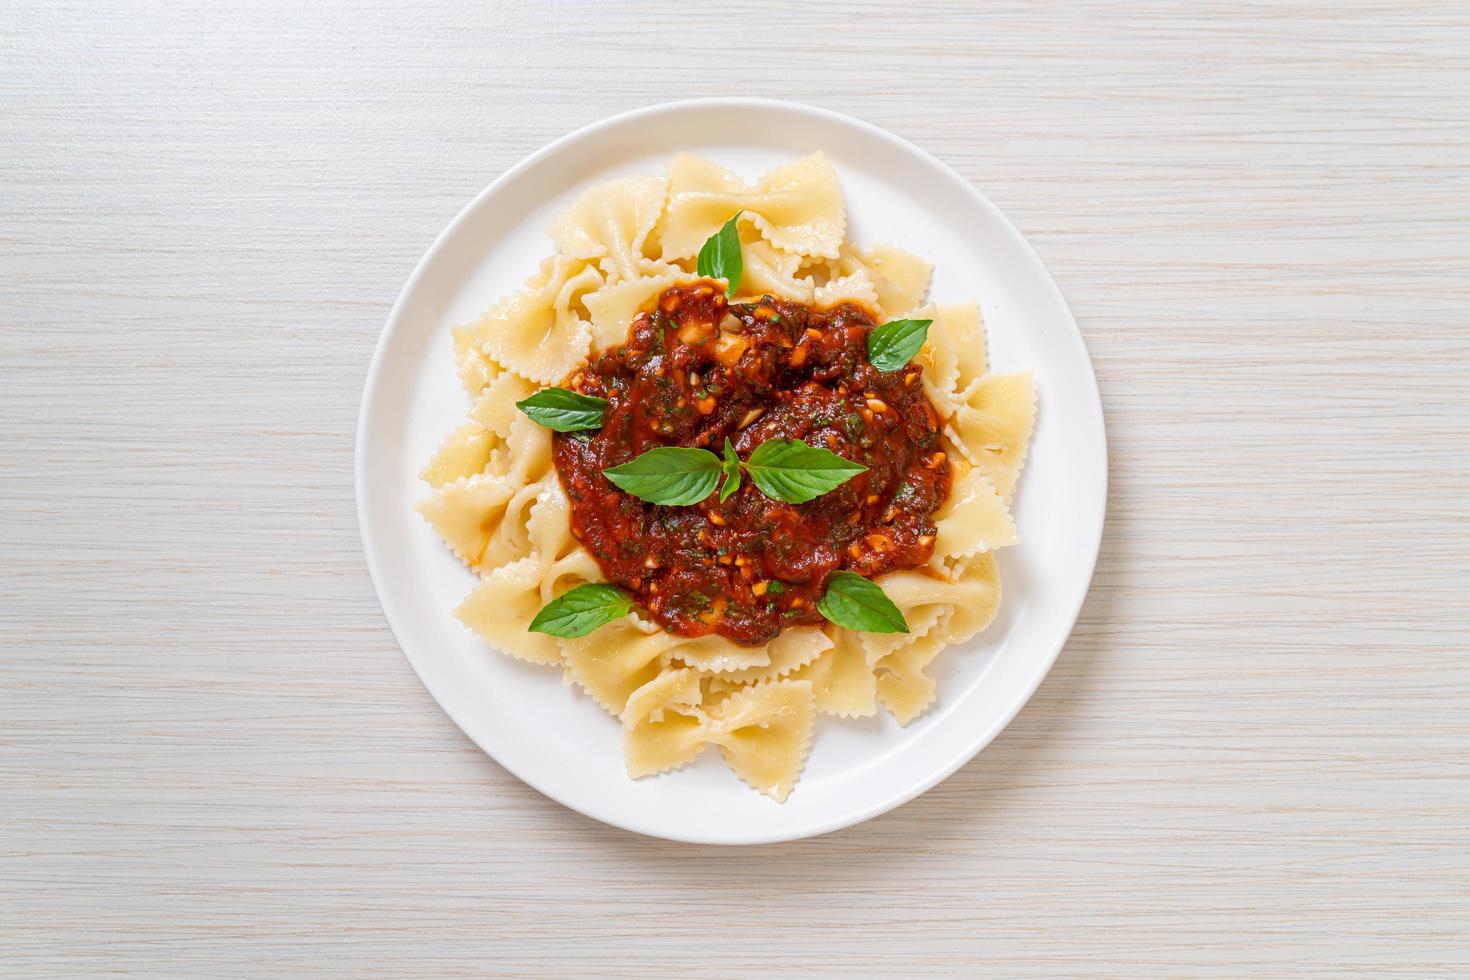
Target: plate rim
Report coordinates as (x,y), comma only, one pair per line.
(972,746)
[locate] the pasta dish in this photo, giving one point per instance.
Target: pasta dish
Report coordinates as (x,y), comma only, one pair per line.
(727,470)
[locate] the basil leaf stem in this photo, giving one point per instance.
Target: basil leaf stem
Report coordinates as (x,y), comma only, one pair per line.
(731,468)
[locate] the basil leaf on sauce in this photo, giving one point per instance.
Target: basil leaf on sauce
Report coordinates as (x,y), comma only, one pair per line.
(854,602)
(731,468)
(893,344)
(563,410)
(791,470)
(579,611)
(671,475)
(720,257)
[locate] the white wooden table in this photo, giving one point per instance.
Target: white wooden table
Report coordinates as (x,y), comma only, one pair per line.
(1250,760)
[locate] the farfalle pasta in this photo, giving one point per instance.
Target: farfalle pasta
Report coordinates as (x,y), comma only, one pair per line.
(797,207)
(814,468)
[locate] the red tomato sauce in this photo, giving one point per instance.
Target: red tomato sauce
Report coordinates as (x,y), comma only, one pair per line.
(695,371)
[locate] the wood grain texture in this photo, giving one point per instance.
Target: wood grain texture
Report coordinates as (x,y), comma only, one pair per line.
(1251,760)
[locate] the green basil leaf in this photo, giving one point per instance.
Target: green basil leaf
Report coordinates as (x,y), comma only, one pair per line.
(720,257)
(579,611)
(894,344)
(731,469)
(791,470)
(672,475)
(854,602)
(563,410)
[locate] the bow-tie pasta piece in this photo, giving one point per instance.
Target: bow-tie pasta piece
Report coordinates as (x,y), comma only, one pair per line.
(614,307)
(960,331)
(938,359)
(475,370)
(978,598)
(797,207)
(465,453)
(904,687)
(715,691)
(616,660)
(702,197)
(528,450)
(501,608)
(549,528)
(958,609)
(898,659)
(495,409)
(663,728)
(842,680)
(974,519)
(574,567)
(503,605)
(900,280)
(509,539)
(467,511)
(856,288)
(537,332)
(769,270)
(953,356)
(793,648)
(928,606)
(610,223)
(536,523)
(716,654)
(993,425)
(764,733)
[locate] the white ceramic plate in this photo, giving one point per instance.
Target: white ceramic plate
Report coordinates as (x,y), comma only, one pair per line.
(555,738)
